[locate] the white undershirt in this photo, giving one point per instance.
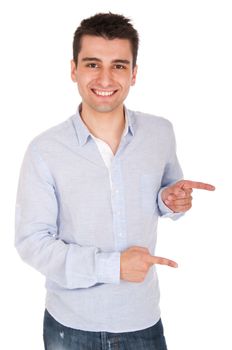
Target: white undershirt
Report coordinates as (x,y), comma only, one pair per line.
(105,150)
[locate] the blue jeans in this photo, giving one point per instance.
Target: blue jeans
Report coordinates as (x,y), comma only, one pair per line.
(58,337)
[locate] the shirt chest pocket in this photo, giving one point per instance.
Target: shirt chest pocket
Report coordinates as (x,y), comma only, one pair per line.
(149,186)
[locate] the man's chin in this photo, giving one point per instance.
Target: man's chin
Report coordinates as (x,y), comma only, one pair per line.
(104,108)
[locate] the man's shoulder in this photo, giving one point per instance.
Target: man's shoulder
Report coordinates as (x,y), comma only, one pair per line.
(148,120)
(57,133)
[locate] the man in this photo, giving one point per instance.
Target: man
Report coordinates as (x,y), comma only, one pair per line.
(90,192)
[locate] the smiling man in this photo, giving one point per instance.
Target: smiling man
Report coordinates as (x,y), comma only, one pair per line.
(104,73)
(104,79)
(90,192)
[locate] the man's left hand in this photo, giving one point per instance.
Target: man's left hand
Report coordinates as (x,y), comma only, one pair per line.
(178,196)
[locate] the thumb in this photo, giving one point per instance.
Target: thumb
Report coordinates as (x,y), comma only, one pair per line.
(173,189)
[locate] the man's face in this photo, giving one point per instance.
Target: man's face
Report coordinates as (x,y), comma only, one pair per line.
(104,72)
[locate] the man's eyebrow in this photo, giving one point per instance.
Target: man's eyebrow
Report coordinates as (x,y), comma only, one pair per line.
(88,59)
(91,59)
(121,61)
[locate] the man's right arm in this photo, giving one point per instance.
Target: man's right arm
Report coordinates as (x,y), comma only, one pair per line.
(36,233)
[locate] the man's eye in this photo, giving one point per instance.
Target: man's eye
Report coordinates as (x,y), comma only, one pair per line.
(92,65)
(119,66)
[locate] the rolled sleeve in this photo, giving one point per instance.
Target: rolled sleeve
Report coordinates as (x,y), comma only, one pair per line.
(108,267)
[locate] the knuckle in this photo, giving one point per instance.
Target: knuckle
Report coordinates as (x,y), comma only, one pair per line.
(188,207)
(163,261)
(145,266)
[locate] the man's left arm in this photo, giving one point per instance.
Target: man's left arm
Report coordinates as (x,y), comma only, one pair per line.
(174,197)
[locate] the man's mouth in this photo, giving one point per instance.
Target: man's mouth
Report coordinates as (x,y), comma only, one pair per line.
(103,93)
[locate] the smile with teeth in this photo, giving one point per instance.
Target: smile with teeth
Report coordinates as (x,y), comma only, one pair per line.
(103,93)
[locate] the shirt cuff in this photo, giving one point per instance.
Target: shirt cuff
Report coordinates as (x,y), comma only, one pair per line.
(108,267)
(166,212)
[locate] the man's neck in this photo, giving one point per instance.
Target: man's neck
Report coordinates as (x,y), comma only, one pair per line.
(106,126)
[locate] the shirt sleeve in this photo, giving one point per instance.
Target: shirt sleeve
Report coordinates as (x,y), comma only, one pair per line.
(172,174)
(37,238)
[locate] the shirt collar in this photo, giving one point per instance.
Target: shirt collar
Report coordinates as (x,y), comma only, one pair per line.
(83,132)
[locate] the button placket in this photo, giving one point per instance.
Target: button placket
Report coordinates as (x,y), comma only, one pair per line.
(118,205)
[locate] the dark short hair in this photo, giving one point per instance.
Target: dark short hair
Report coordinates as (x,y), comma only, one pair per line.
(109,26)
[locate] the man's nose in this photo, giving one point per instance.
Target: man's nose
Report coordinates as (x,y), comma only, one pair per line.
(105,77)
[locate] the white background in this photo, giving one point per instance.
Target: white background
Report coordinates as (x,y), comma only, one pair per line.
(184,75)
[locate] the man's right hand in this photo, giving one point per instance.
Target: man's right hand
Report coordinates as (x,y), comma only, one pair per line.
(136,261)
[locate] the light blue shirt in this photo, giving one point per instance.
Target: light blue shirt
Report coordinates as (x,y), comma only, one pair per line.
(72,223)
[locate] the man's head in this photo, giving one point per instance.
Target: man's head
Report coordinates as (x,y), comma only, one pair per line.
(109,26)
(104,66)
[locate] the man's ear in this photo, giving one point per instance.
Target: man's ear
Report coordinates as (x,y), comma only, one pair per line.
(73,71)
(134,74)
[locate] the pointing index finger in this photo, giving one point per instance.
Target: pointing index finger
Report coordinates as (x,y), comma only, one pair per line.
(186,184)
(161,261)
